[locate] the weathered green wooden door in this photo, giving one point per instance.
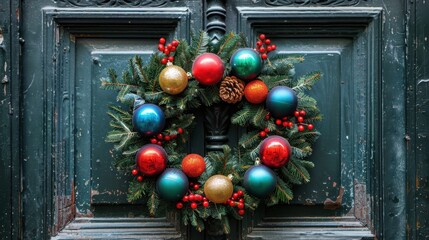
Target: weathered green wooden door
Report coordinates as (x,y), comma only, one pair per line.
(69,188)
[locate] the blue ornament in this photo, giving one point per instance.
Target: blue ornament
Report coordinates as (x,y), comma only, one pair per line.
(246,64)
(148,119)
(281,101)
(172,184)
(260,181)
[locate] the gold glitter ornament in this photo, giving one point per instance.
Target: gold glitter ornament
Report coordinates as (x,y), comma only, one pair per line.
(173,79)
(218,188)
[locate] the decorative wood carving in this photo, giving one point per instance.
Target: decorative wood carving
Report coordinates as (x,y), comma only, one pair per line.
(112,3)
(217,119)
(215,19)
(314,2)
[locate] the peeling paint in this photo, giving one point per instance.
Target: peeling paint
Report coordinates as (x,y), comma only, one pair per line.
(332,205)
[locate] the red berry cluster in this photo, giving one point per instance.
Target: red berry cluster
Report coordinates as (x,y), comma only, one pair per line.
(285,122)
(193,199)
(167,49)
(299,115)
(264,46)
(158,139)
(237,201)
(135,172)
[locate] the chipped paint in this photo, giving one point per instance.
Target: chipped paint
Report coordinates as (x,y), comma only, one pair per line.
(332,205)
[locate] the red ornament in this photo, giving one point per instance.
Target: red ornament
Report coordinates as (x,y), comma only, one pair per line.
(208,69)
(310,127)
(194,205)
(179,205)
(151,160)
(256,91)
(193,165)
(275,151)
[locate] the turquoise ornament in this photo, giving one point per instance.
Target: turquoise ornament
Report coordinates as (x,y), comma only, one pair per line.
(246,64)
(172,184)
(260,181)
(281,101)
(148,119)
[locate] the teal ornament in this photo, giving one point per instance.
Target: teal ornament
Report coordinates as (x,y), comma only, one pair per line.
(246,64)
(260,181)
(172,184)
(281,101)
(148,119)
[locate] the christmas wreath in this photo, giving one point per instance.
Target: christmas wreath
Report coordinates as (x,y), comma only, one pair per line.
(158,99)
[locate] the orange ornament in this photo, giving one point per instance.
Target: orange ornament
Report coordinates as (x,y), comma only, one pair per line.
(193,165)
(256,91)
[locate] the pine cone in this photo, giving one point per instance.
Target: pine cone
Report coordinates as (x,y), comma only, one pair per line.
(231,89)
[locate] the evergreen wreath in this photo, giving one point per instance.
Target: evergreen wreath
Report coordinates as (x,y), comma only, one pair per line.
(150,127)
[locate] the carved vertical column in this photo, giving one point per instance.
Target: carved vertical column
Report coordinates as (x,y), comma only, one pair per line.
(217,117)
(215,17)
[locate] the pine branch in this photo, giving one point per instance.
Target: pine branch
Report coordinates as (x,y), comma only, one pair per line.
(307,81)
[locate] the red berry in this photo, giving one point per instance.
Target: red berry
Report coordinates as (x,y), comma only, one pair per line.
(180,130)
(153,140)
(169,46)
(302,113)
(175,43)
(264,56)
(185,199)
(267,117)
(239,192)
(179,205)
(164,61)
(261,50)
(267,131)
(285,124)
(241,200)
(159,143)
(191,197)
(170,58)
(139,178)
(310,127)
(240,205)
(173,49)
(160,136)
(232,203)
(166,51)
(194,205)
(161,47)
(162,40)
(269,49)
(273,47)
(235,196)
(198,198)
(296,113)
(205,204)
(174,136)
(134,172)
(241,212)
(284,118)
(267,41)
(278,121)
(259,43)
(262,36)
(290,125)
(204,199)
(167,138)
(228,202)
(196,187)
(300,119)
(191,184)
(300,128)
(263,134)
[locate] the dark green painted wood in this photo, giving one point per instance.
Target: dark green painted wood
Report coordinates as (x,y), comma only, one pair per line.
(10,173)
(417,121)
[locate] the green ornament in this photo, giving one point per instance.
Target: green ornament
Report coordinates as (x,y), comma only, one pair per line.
(172,184)
(246,64)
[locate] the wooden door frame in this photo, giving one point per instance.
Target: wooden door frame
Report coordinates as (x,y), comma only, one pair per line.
(399,209)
